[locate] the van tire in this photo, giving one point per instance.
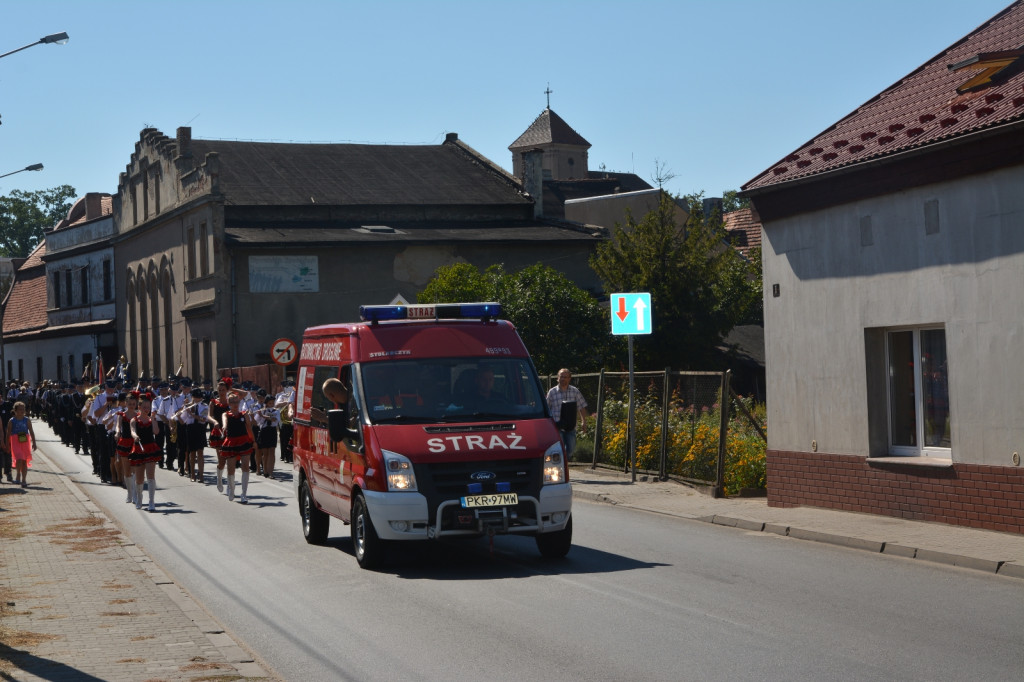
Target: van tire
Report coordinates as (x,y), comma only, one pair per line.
(315,523)
(556,545)
(366,544)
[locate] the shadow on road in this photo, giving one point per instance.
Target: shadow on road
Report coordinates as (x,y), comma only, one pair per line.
(511,557)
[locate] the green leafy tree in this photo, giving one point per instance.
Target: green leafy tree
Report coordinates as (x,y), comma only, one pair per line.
(732,202)
(24,216)
(561,324)
(697,282)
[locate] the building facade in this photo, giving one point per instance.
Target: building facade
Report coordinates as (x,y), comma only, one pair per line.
(59,314)
(893,255)
(225,247)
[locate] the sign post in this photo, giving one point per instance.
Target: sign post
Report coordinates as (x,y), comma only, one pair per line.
(631,315)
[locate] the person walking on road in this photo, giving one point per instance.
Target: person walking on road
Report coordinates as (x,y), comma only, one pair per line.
(567,406)
(237,447)
(21,440)
(145,453)
(125,444)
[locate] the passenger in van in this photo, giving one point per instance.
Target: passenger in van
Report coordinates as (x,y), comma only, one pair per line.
(337,393)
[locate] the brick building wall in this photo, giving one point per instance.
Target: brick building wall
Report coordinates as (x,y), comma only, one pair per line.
(975,495)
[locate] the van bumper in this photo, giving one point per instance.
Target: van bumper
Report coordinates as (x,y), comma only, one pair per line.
(391,512)
(403,516)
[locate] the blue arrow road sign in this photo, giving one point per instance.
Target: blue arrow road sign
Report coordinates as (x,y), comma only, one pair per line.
(631,313)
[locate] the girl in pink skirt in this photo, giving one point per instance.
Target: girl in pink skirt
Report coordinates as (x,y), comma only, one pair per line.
(22,440)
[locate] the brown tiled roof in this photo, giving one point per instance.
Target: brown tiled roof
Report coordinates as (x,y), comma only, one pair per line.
(549,128)
(288,174)
(25,305)
(35,259)
(925,107)
(744,229)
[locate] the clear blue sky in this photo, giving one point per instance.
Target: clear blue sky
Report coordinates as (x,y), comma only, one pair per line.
(715,90)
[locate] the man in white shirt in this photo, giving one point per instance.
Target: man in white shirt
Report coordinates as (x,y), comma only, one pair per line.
(170,405)
(99,451)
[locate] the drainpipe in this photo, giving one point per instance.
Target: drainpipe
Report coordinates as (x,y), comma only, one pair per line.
(234,314)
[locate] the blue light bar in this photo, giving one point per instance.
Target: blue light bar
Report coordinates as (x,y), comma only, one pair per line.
(474,488)
(447,311)
(375,313)
(504,486)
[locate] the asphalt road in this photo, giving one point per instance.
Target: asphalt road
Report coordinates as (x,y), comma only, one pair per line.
(640,597)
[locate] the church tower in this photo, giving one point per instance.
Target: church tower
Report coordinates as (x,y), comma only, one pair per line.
(565,150)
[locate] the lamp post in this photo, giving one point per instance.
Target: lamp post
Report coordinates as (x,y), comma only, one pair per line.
(58,38)
(33,167)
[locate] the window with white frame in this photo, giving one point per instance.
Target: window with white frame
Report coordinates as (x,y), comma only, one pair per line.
(919,416)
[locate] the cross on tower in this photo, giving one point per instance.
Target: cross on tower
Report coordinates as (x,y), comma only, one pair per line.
(548,92)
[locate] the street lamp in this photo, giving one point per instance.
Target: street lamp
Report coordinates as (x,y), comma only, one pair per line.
(58,38)
(33,167)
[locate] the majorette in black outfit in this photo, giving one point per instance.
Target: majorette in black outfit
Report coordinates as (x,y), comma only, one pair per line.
(217,410)
(145,449)
(236,440)
(125,442)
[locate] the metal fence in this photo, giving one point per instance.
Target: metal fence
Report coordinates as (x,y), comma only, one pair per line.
(680,424)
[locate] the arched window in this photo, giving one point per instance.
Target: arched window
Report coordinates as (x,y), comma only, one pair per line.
(143,358)
(133,344)
(168,324)
(154,294)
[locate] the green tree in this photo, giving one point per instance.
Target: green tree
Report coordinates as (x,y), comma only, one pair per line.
(732,202)
(696,280)
(561,324)
(24,216)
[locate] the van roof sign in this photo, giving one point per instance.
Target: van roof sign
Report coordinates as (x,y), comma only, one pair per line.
(437,311)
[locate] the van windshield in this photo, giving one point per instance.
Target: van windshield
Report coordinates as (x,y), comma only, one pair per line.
(451,389)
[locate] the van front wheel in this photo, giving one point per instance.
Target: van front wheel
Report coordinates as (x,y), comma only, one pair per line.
(556,545)
(314,522)
(366,544)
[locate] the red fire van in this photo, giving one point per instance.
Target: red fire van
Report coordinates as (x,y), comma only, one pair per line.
(441,429)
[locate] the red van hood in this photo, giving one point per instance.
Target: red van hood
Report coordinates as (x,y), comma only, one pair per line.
(467,442)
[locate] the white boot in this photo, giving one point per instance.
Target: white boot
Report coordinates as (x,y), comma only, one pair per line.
(220,481)
(231,489)
(138,495)
(128,485)
(152,494)
(245,487)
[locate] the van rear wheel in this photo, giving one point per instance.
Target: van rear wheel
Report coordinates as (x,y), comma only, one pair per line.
(556,545)
(368,546)
(315,523)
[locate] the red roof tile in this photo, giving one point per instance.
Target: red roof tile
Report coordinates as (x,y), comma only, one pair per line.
(925,107)
(25,305)
(744,229)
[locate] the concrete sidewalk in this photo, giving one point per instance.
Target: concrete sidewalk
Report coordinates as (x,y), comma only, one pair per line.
(989,551)
(79,601)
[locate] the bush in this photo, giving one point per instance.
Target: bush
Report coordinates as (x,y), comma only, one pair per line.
(692,444)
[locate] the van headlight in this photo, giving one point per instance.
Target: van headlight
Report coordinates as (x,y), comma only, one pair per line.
(401,477)
(554,465)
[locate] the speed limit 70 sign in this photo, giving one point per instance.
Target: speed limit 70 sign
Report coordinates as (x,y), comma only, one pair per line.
(284,352)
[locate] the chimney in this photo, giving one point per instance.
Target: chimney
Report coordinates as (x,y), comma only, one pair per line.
(712,207)
(533,179)
(185,141)
(93,205)
(451,137)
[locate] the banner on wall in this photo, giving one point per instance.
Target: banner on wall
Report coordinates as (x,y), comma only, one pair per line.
(283,274)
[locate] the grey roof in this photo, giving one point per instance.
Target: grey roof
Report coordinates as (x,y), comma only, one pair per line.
(549,128)
(437,233)
(290,174)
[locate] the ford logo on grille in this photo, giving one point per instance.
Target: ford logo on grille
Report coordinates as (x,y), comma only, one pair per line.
(483,476)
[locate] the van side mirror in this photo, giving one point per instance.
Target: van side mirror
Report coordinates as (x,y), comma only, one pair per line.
(337,424)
